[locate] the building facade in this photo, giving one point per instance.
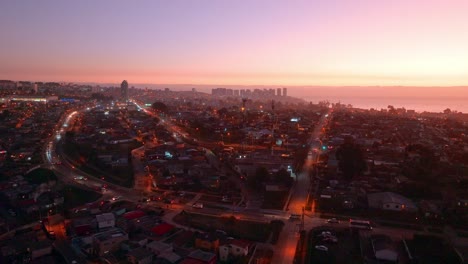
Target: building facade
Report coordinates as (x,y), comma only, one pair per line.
(124,90)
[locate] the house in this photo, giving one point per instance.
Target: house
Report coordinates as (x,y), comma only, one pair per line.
(162,229)
(158,247)
(40,248)
(240,247)
(108,241)
(133,215)
(139,240)
(170,257)
(140,256)
(83,226)
(200,257)
(182,238)
(390,201)
(235,248)
(207,241)
(384,249)
(105,220)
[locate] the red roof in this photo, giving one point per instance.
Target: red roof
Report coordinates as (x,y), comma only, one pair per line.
(162,229)
(133,214)
(28,202)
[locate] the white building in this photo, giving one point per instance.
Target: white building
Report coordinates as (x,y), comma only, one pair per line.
(108,241)
(236,248)
(105,220)
(390,201)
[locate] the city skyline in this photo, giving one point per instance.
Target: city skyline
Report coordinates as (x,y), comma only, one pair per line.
(227,43)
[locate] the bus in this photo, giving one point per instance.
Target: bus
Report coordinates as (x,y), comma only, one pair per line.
(360,224)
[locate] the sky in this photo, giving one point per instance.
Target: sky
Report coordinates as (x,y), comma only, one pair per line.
(255,42)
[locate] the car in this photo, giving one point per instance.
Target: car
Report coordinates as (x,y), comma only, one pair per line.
(182,194)
(294,217)
(333,221)
(51,235)
(12,212)
(321,248)
(198,205)
(115,198)
(221,232)
(330,239)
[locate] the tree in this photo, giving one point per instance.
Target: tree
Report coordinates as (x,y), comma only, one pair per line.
(160,107)
(256,181)
(283,177)
(222,112)
(41,175)
(423,167)
(350,159)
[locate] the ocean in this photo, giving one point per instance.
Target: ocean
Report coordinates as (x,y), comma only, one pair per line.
(420,99)
(428,104)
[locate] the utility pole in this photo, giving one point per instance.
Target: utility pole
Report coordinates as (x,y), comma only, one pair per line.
(244,100)
(302,220)
(273,126)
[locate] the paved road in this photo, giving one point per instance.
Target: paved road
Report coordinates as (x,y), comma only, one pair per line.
(286,246)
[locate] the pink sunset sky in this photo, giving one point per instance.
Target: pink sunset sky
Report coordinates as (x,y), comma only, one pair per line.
(324,43)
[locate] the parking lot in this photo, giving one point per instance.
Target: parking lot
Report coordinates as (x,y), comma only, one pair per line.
(333,245)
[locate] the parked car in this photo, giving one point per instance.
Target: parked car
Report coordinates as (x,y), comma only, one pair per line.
(333,221)
(325,233)
(226,199)
(321,248)
(12,212)
(198,205)
(51,235)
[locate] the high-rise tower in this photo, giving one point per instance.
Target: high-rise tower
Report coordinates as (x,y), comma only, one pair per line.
(124,90)
(285,92)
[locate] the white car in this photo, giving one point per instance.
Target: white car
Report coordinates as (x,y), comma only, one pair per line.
(333,221)
(321,248)
(326,233)
(198,205)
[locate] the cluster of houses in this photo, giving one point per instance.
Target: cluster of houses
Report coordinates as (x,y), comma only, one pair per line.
(387,183)
(141,236)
